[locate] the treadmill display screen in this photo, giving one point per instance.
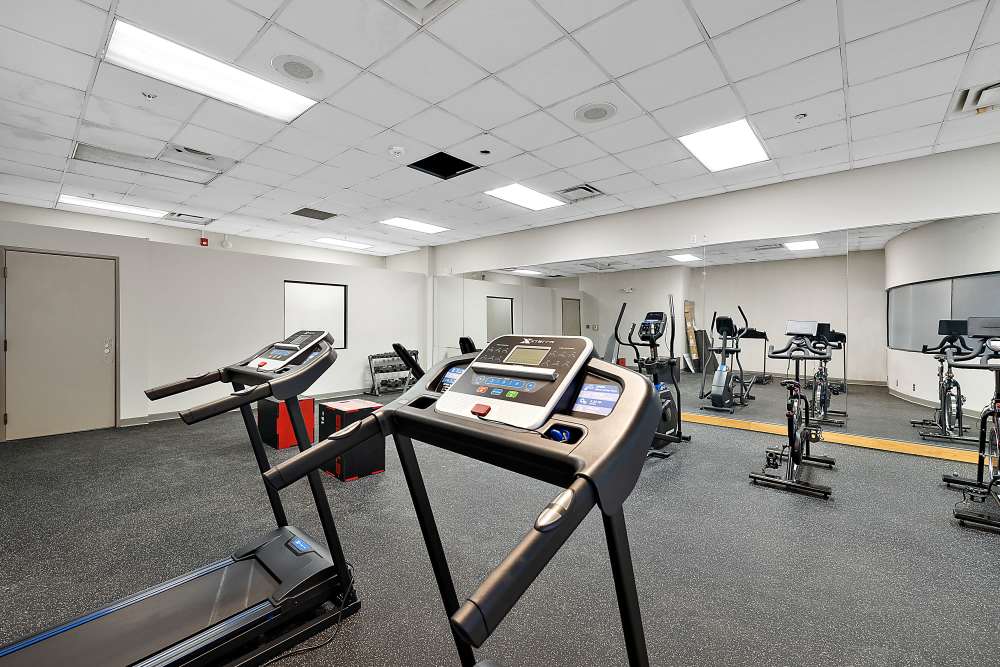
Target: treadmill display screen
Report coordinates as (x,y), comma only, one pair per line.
(527,355)
(597,398)
(298,340)
(451,377)
(279,353)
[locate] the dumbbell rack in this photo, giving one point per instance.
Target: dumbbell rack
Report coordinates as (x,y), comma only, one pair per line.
(388,372)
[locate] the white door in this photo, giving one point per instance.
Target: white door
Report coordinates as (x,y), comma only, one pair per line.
(499,316)
(570,317)
(59,315)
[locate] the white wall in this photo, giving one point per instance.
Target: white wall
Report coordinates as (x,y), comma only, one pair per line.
(956,183)
(866,316)
(184,310)
(939,250)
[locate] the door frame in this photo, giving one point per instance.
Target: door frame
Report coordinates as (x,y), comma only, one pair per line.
(579,313)
(4,249)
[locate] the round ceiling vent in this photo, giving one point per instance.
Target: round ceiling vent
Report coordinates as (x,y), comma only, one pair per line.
(296,68)
(595,113)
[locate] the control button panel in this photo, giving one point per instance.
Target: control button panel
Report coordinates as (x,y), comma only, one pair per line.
(299,546)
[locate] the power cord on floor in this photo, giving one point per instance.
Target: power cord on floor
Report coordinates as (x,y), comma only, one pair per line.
(336,630)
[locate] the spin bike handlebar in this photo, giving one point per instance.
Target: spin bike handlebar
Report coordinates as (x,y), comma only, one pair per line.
(986,350)
(800,348)
(948,344)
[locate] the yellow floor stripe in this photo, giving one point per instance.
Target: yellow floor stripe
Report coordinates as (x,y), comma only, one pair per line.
(883,444)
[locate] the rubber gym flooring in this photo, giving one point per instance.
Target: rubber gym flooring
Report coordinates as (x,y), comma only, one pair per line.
(728,573)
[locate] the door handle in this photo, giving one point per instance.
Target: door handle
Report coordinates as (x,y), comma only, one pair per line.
(108,345)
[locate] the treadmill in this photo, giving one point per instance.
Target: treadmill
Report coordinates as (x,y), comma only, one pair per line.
(271,594)
(541,406)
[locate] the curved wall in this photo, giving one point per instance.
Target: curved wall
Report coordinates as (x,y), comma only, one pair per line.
(944,249)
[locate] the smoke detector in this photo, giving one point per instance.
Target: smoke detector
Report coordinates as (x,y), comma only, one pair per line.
(596,112)
(396,152)
(297,68)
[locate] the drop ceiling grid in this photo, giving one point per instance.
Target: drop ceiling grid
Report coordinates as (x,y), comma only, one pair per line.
(263,210)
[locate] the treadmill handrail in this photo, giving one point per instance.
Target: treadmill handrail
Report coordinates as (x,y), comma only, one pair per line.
(404,355)
(181,386)
(225,404)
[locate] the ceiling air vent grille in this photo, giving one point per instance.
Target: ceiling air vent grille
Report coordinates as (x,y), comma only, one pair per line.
(188,218)
(980,97)
(579,193)
(314,213)
(443,166)
(603,266)
(770,246)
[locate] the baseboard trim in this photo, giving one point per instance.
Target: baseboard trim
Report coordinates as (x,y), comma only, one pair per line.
(864,441)
(930,405)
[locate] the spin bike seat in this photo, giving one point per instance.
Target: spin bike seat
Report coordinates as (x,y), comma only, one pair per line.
(789,383)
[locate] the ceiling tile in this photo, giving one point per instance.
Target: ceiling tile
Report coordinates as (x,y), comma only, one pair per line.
(674,171)
(36,58)
(893,143)
(923,41)
(892,157)
(306,144)
(863,17)
(263,7)
(235,186)
(18,115)
(572,14)
(40,94)
(362,164)
(314,187)
(222,30)
(691,73)
(552,181)
(989,31)
(137,121)
(961,144)
(819,111)
(570,152)
(334,71)
(638,34)
(381,144)
(719,16)
(805,141)
(804,79)
(136,90)
(30,171)
(236,122)
(471,150)
(28,187)
(427,68)
(630,134)
(619,184)
(370,97)
(982,67)
(609,93)
(750,173)
(97,185)
(604,167)
(214,142)
(522,167)
(815,159)
(336,125)
(280,161)
(79,27)
(557,72)
(698,113)
(488,104)
(170,184)
(359,30)
(970,127)
(119,140)
(251,172)
(913,84)
(661,152)
(534,131)
(818,171)
(33,158)
(695,187)
(437,128)
(393,183)
(643,197)
(782,37)
(332,178)
(914,114)
(495,34)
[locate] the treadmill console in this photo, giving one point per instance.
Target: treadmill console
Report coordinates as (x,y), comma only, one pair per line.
(517,380)
(295,349)
(653,326)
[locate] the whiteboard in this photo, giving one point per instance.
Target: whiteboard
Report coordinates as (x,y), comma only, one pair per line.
(317,306)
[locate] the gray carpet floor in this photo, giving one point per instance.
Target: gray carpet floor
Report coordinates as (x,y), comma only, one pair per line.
(728,573)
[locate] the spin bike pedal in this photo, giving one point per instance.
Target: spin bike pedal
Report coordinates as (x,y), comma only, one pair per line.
(975,495)
(815,433)
(773,459)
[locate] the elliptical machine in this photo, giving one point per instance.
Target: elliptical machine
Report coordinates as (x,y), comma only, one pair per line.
(823,390)
(802,346)
(730,389)
(948,415)
(651,330)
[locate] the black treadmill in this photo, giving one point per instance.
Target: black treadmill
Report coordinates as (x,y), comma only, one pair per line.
(269,595)
(541,406)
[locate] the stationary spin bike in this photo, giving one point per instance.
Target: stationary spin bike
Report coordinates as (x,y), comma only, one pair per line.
(823,390)
(730,389)
(948,415)
(651,330)
(795,453)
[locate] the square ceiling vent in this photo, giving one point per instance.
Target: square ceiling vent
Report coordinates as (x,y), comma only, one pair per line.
(443,166)
(421,11)
(314,213)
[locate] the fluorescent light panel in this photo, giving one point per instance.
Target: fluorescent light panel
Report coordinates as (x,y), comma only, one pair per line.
(344,244)
(684,258)
(527,272)
(413,225)
(149,54)
(70,200)
(726,146)
(526,197)
(796,246)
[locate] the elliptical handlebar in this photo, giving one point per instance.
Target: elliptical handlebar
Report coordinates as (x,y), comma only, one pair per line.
(746,323)
(630,343)
(673,327)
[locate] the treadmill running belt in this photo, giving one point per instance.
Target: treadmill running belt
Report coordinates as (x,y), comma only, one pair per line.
(153,624)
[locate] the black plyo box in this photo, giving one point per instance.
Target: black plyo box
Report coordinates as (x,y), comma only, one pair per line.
(365,459)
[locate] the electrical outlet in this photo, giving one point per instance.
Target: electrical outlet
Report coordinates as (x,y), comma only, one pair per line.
(914,388)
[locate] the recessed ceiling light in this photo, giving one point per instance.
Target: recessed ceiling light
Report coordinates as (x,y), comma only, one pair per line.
(149,54)
(684,258)
(344,244)
(726,146)
(406,223)
(526,197)
(70,200)
(527,272)
(801,245)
